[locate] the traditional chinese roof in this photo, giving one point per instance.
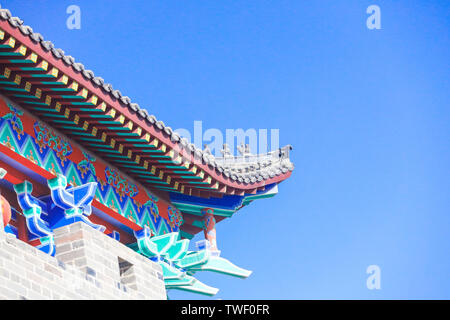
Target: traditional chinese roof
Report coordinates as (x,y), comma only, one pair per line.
(71,98)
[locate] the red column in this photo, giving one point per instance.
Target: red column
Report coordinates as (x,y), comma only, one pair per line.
(22,229)
(210,227)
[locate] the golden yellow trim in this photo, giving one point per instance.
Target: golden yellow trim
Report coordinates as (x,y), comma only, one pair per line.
(94,131)
(44,65)
(64,79)
(38,93)
(129,125)
(139,131)
(48,100)
(12,42)
(84,93)
(102,106)
(74,86)
(154,143)
(33,57)
(27,86)
(22,50)
(7,72)
(76,119)
(138,159)
(112,113)
(93,99)
(17,79)
(54,72)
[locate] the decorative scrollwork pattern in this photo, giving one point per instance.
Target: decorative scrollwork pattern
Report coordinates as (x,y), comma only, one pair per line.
(46,137)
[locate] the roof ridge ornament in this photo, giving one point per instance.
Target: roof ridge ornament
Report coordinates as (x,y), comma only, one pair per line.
(244,150)
(226,152)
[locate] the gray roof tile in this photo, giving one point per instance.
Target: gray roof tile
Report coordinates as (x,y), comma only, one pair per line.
(116,94)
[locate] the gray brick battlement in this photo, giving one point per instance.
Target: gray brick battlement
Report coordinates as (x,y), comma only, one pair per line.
(87,265)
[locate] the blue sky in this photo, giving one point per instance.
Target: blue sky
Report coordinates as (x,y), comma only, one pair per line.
(367,112)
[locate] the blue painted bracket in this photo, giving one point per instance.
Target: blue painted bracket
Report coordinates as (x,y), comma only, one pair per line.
(33,208)
(146,247)
(75,201)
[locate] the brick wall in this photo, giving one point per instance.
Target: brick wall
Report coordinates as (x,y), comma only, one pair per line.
(87,265)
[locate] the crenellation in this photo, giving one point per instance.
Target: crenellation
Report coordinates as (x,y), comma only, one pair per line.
(8,293)
(85,270)
(35,287)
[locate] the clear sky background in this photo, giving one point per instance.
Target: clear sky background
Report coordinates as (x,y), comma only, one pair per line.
(367,112)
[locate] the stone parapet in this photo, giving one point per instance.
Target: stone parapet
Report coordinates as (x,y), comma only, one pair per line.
(87,265)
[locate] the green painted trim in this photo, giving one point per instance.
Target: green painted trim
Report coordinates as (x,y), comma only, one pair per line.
(191,177)
(71,97)
(43,76)
(14,89)
(86,134)
(20,61)
(53,83)
(83,104)
(65,121)
(91,110)
(101,145)
(31,69)
(102,116)
(53,115)
(25,96)
(73,128)
(182,172)
(90,139)
(186,235)
(224,266)
(10,54)
(109,151)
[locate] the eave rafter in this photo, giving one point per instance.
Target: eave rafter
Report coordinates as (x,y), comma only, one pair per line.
(162,162)
(74,109)
(33,78)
